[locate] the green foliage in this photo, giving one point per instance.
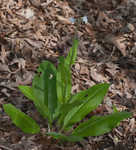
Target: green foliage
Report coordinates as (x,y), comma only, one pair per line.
(63,83)
(51,95)
(90,102)
(21,120)
(99,125)
(60,136)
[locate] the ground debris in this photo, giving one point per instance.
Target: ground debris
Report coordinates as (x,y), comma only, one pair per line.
(35,30)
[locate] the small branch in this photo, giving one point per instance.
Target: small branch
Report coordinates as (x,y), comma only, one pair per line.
(6,148)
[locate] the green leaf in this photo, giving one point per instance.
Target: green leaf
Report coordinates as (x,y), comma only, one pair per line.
(27,91)
(64,137)
(64,74)
(65,108)
(91,101)
(44,65)
(44,89)
(99,125)
(63,83)
(81,96)
(21,120)
(89,93)
(70,59)
(75,100)
(114,108)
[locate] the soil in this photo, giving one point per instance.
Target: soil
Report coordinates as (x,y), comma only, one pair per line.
(35,30)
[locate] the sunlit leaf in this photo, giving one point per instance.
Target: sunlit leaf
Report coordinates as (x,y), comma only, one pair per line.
(90,103)
(99,125)
(63,83)
(44,89)
(21,120)
(70,59)
(27,91)
(65,108)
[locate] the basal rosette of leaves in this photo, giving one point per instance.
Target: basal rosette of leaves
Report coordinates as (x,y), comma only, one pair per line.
(52,97)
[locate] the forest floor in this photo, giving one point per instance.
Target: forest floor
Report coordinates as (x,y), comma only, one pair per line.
(35,30)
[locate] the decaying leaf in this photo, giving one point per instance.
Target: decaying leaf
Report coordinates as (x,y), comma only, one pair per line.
(118,41)
(27,13)
(97,76)
(84,70)
(64,20)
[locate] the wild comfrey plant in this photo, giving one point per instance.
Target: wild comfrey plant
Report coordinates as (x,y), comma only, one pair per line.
(51,95)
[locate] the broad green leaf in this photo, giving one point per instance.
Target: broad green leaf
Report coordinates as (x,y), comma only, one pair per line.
(76,100)
(90,103)
(63,83)
(70,59)
(27,91)
(90,92)
(39,96)
(82,95)
(40,105)
(64,137)
(21,120)
(99,125)
(43,66)
(44,89)
(65,108)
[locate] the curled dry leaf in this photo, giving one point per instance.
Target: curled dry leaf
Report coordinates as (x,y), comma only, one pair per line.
(132,124)
(118,41)
(96,76)
(46,4)
(90,30)
(77,66)
(35,43)
(27,13)
(35,3)
(21,63)
(130,27)
(112,69)
(75,88)
(27,79)
(84,70)
(103,20)
(3,55)
(63,19)
(4,67)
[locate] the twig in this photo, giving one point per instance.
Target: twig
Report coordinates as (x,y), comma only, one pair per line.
(6,148)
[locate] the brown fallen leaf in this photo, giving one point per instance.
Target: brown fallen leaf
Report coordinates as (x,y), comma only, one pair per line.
(77,66)
(4,67)
(63,19)
(35,3)
(27,78)
(84,70)
(90,30)
(112,69)
(97,76)
(27,13)
(118,41)
(75,88)
(104,20)
(21,63)
(4,54)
